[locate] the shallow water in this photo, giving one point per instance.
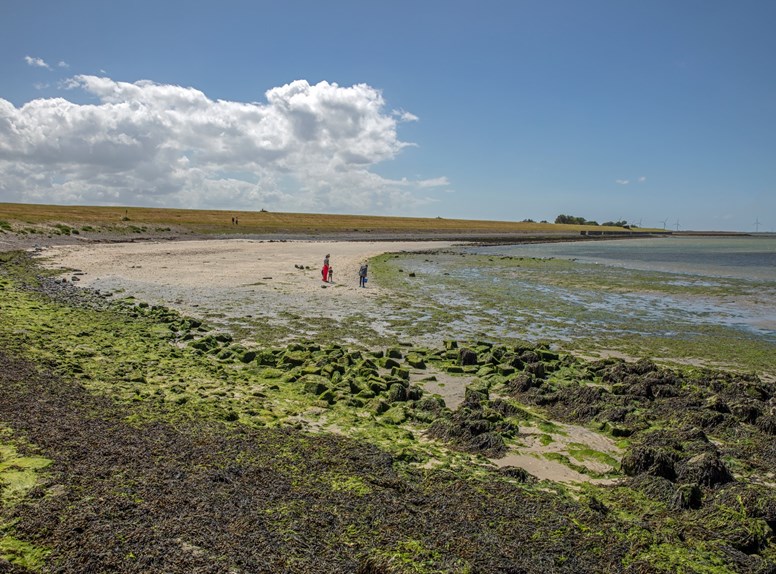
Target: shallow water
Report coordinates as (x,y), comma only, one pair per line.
(694,263)
(750,257)
(712,310)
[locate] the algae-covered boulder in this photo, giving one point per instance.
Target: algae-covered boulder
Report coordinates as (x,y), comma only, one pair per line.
(313,384)
(467,429)
(225,354)
(536,369)
(248,356)
(705,469)
(205,344)
(400,373)
(396,393)
(390,363)
(767,424)
(379,406)
(747,411)
(328,396)
(521,383)
(266,358)
(654,487)
(415,361)
(393,353)
(517,473)
(687,496)
(505,369)
(430,403)
(395,415)
(485,371)
(649,460)
(293,358)
(377,386)
(414,393)
(467,357)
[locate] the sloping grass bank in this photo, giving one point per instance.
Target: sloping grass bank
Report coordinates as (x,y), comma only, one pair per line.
(87,219)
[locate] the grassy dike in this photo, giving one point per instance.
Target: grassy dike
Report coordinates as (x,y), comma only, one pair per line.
(134,439)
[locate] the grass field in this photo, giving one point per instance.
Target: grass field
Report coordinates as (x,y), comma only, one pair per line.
(16,216)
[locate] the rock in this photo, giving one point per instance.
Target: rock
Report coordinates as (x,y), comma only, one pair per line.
(521,383)
(248,356)
(506,370)
(328,396)
(414,393)
(395,415)
(536,369)
(400,373)
(517,473)
(705,469)
(716,403)
(415,361)
(687,496)
(394,353)
(597,506)
(293,358)
(649,460)
(767,424)
(467,357)
(396,393)
(747,411)
(266,359)
(313,384)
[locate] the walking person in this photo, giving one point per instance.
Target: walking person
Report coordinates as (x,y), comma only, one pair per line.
(362,275)
(325,270)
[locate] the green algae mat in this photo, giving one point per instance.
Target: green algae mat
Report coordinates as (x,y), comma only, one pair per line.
(134,439)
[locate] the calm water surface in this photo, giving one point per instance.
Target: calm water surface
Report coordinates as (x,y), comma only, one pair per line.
(738,257)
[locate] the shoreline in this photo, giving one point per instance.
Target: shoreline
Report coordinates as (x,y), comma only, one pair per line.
(10,241)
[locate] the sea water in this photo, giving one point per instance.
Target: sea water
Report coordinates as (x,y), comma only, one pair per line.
(730,281)
(741,257)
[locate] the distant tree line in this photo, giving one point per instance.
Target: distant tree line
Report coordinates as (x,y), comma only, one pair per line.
(572,220)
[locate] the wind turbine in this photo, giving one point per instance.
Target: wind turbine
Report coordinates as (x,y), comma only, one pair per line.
(757,225)
(664,223)
(677,225)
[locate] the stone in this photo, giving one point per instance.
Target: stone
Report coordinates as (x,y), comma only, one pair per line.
(467,357)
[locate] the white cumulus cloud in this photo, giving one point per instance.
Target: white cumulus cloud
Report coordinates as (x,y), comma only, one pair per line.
(308,148)
(36,62)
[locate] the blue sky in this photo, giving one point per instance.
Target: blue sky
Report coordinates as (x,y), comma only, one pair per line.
(653,112)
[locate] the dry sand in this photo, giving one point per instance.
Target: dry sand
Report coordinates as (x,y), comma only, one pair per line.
(255,285)
(228,263)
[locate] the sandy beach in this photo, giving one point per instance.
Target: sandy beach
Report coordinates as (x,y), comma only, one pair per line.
(257,284)
(228,263)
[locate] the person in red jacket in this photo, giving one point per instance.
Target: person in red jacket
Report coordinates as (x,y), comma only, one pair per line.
(325,270)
